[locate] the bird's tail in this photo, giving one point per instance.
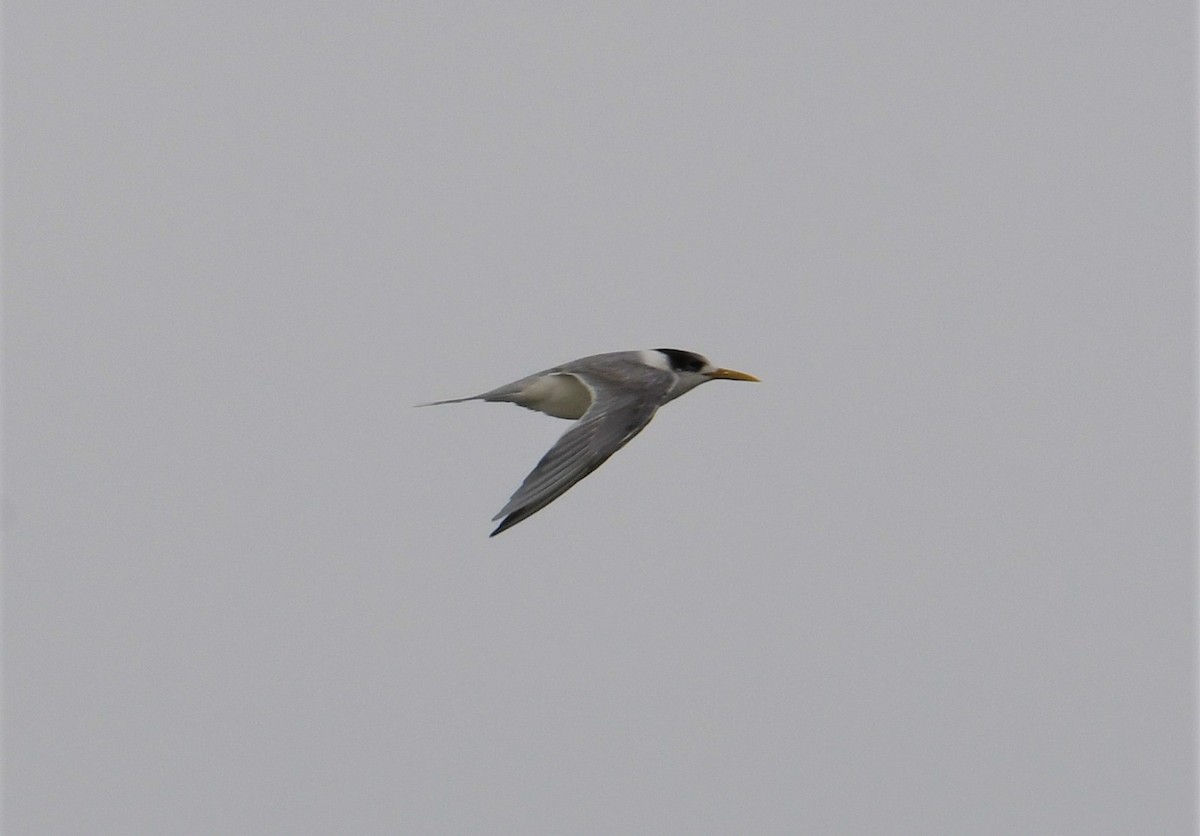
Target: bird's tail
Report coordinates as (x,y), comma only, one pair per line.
(452,400)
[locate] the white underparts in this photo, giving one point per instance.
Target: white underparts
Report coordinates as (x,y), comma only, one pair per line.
(560,395)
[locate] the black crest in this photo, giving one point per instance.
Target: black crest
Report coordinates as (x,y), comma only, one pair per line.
(684,361)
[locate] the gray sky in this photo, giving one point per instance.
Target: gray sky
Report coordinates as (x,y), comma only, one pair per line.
(935,575)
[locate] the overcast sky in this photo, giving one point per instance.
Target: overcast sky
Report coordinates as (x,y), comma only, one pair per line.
(934,575)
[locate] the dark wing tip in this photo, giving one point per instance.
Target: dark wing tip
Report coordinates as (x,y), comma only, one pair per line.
(522,513)
(509,521)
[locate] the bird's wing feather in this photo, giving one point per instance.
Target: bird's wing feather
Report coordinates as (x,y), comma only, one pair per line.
(618,413)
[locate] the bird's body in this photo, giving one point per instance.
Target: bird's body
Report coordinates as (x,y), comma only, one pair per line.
(611,396)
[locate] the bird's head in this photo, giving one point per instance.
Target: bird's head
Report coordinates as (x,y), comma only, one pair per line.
(690,368)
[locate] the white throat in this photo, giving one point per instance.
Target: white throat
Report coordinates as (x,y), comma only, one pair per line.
(686,382)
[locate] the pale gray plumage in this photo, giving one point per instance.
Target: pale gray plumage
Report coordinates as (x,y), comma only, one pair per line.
(613,396)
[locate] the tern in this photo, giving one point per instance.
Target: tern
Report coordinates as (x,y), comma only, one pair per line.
(611,397)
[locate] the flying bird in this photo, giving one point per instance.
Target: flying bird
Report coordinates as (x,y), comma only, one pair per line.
(611,397)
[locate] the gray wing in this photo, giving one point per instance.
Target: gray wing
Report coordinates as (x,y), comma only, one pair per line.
(617,414)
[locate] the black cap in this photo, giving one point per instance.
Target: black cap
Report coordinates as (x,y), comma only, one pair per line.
(684,361)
